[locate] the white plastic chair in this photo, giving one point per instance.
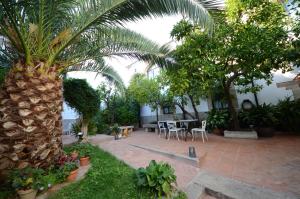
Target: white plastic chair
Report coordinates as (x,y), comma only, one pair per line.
(173,129)
(162,128)
(200,130)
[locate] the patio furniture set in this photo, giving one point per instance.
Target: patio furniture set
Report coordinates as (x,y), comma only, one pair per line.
(180,128)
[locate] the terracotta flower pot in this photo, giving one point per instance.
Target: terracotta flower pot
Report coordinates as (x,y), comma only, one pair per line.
(27,194)
(72,176)
(84,161)
(218,131)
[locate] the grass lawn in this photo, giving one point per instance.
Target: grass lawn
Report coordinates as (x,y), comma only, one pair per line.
(107,178)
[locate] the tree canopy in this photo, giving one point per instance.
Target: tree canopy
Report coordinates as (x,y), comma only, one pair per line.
(82,97)
(250,40)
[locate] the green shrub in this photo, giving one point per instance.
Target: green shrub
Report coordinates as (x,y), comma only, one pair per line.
(288,115)
(260,116)
(218,119)
(27,178)
(83,149)
(92,127)
(157,178)
(102,122)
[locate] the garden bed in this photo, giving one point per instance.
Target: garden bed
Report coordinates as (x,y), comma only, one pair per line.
(107,178)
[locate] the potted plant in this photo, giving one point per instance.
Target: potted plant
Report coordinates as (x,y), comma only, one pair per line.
(217,121)
(115,129)
(84,151)
(262,118)
(26,182)
(68,167)
(71,171)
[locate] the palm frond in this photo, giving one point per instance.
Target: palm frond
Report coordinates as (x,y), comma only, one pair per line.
(101,68)
(48,30)
(112,42)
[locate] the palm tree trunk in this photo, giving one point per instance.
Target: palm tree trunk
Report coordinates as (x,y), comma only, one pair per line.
(30,118)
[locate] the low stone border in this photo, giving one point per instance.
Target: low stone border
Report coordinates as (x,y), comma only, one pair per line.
(188,160)
(81,174)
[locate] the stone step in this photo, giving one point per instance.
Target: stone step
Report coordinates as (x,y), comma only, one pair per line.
(241,134)
(226,188)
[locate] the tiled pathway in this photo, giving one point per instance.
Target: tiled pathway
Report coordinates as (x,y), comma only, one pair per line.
(270,163)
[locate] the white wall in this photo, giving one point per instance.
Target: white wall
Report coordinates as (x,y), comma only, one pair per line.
(270,94)
(68,112)
(146,111)
(203,107)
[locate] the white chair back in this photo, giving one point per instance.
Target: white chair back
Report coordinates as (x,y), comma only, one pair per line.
(171,124)
(161,125)
(204,124)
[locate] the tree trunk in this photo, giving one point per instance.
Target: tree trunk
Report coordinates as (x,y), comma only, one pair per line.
(30,118)
(254,93)
(156,114)
(84,129)
(234,119)
(194,107)
(184,112)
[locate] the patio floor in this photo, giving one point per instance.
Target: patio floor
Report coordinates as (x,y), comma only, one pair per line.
(272,163)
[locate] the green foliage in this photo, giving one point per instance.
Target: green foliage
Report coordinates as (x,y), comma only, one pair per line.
(115,129)
(83,149)
(92,127)
(157,178)
(28,178)
(285,116)
(288,115)
(107,178)
(119,107)
(182,29)
(261,116)
(218,119)
(80,96)
(145,90)
(102,121)
(249,43)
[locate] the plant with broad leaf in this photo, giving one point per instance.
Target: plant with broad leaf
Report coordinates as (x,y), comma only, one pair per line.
(27,178)
(158,178)
(218,119)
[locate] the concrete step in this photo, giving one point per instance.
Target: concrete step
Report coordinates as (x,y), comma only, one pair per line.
(241,134)
(226,188)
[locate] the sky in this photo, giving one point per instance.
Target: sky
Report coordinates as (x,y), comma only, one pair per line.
(158,30)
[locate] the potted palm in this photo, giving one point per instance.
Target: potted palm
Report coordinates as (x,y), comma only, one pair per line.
(115,129)
(26,182)
(217,121)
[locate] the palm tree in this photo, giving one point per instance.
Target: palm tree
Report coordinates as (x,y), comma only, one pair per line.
(40,39)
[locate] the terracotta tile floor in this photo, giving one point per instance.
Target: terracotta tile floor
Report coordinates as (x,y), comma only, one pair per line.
(270,162)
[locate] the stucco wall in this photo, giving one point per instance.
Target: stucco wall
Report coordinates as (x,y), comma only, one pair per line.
(270,94)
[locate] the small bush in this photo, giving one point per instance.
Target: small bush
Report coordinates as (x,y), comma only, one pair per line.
(157,178)
(82,149)
(218,119)
(288,115)
(260,116)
